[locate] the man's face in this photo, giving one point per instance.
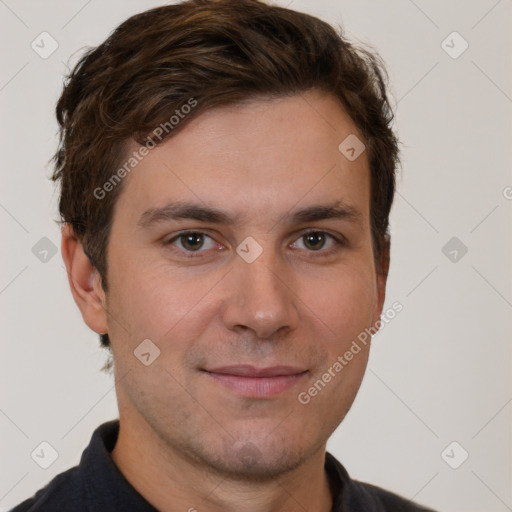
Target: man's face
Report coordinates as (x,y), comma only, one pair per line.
(219,317)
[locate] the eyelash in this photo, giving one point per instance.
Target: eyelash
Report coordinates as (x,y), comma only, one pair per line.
(339,242)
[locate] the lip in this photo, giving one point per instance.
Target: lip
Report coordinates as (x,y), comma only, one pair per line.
(251,382)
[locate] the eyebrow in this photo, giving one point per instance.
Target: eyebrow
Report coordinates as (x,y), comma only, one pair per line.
(185,210)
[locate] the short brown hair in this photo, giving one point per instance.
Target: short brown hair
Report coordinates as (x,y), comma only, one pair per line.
(216,52)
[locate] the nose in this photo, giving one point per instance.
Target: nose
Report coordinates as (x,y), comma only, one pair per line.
(260,297)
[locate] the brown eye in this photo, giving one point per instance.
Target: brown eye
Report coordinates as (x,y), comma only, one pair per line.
(314,240)
(320,242)
(192,241)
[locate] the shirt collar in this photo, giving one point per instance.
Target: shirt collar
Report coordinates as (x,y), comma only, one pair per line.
(106,487)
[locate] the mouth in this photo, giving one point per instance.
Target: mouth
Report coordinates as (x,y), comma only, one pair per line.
(251,382)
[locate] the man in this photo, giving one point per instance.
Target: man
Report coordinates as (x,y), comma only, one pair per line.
(227,172)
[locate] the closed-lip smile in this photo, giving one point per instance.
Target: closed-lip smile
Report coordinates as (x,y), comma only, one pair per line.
(252,382)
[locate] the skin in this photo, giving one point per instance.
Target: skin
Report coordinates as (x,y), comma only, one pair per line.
(183,435)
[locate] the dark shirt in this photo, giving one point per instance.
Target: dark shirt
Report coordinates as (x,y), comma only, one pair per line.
(97,485)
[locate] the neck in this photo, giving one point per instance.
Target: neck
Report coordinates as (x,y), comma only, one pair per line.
(172,483)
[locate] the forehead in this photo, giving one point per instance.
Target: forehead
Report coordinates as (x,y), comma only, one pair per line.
(255,158)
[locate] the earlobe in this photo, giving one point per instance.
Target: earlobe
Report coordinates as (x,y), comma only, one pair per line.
(84,282)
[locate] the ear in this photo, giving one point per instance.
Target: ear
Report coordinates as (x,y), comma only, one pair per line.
(84,281)
(382,277)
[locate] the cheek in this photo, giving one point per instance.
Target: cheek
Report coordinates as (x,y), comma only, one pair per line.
(346,311)
(153,301)
(344,301)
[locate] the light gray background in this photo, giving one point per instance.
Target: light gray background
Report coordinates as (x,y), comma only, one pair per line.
(439,372)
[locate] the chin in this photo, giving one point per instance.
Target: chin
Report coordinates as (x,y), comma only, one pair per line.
(250,460)
(244,466)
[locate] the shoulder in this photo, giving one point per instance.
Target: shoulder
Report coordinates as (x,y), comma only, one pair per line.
(74,489)
(352,495)
(61,493)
